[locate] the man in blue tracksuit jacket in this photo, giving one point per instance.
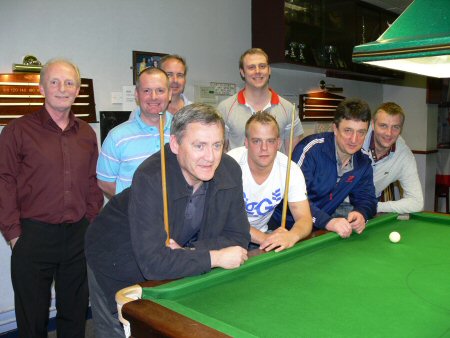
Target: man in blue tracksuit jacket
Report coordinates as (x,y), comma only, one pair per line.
(335,168)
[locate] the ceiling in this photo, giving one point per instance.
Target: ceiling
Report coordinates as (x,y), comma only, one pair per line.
(396,6)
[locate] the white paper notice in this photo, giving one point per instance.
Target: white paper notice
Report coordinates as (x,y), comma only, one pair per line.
(129,102)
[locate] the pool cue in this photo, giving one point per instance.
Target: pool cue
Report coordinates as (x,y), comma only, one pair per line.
(163,176)
(288,171)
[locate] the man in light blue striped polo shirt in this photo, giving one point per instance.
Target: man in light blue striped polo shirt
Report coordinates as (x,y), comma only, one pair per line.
(131,142)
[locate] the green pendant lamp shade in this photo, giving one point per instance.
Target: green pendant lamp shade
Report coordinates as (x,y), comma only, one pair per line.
(417,42)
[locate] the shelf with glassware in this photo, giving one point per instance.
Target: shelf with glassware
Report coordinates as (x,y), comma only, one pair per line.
(314,32)
(317,35)
(371,22)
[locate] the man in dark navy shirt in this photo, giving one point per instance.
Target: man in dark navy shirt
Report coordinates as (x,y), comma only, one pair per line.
(126,244)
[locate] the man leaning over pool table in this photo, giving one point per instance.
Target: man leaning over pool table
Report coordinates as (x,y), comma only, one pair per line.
(126,243)
(336,170)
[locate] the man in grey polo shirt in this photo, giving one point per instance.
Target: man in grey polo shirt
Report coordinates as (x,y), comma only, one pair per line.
(257,96)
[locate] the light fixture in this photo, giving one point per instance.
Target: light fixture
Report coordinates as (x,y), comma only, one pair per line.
(417,42)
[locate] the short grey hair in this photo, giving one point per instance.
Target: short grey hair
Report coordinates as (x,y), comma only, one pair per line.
(59,60)
(196,112)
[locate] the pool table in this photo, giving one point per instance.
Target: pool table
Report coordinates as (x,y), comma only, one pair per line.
(363,286)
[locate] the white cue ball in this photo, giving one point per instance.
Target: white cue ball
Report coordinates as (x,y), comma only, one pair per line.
(394,237)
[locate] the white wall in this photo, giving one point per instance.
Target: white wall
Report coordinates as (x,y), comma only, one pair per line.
(420,129)
(100,36)
(291,84)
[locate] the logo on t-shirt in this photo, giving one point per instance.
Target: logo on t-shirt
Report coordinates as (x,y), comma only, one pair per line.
(264,206)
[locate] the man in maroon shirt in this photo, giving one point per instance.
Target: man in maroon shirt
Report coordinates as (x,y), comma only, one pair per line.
(48,196)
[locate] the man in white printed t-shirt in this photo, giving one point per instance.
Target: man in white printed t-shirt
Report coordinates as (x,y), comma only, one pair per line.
(264,178)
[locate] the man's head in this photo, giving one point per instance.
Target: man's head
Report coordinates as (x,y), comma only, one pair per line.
(60,84)
(387,125)
(262,139)
(254,68)
(152,92)
(351,122)
(176,69)
(197,137)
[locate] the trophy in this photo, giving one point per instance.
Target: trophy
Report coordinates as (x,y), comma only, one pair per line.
(30,63)
(301,52)
(331,53)
(292,46)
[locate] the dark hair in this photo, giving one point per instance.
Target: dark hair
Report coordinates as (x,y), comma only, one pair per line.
(262,117)
(391,108)
(196,112)
(352,109)
(152,70)
(252,51)
(177,57)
